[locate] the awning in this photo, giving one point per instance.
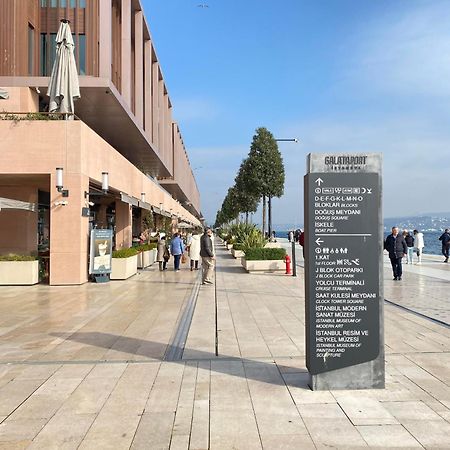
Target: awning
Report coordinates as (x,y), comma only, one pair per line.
(145,205)
(161,212)
(185,225)
(9,203)
(130,200)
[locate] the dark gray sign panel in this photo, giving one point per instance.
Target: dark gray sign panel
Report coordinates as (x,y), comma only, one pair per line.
(342,269)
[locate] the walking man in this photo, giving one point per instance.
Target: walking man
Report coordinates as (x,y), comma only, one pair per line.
(207,254)
(445,239)
(395,244)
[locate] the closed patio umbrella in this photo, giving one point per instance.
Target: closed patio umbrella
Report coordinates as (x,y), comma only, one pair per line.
(63,87)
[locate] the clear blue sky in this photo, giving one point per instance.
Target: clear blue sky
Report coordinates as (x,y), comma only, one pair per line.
(347,75)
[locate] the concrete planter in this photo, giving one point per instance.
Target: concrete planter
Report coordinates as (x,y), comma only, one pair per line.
(237,253)
(19,272)
(153,254)
(264,265)
(144,259)
(229,246)
(123,268)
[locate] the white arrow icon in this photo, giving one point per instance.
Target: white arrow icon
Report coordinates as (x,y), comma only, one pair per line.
(318,241)
(319,181)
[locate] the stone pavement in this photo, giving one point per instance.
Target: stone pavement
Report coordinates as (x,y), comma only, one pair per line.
(88,367)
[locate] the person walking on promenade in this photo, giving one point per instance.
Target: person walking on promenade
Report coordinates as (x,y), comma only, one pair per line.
(162,254)
(177,250)
(409,239)
(396,246)
(419,244)
(290,236)
(194,251)
(207,254)
(445,240)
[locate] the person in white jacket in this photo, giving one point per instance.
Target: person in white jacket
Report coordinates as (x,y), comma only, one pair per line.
(419,244)
(194,251)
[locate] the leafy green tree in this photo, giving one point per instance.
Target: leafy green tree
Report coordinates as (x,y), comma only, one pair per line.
(265,172)
(246,198)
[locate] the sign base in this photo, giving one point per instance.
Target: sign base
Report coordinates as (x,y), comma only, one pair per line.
(101,278)
(368,375)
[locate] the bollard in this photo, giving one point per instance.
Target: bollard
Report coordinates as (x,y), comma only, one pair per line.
(287,259)
(294,263)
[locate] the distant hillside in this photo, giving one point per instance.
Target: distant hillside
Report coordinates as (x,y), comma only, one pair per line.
(429,222)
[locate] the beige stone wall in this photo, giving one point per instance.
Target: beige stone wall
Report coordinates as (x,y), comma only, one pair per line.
(21,99)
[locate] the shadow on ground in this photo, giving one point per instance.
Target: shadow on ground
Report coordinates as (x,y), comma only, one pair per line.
(264,371)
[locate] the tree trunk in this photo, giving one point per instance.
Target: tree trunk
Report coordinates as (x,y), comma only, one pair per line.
(264,215)
(270,215)
(246,218)
(237,219)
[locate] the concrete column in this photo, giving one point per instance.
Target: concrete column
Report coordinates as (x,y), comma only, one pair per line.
(68,232)
(148,107)
(105,39)
(162,149)
(139,67)
(155,103)
(123,225)
(126,52)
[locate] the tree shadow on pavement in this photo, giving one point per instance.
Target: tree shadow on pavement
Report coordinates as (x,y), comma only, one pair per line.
(263,371)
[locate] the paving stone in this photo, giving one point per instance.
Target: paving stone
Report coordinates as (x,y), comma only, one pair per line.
(366,411)
(388,436)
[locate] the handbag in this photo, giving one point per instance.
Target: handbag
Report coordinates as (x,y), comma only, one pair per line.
(183,259)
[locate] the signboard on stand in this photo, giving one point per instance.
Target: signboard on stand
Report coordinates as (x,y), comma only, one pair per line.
(100,253)
(344,301)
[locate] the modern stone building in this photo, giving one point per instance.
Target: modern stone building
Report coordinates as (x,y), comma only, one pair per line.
(123,127)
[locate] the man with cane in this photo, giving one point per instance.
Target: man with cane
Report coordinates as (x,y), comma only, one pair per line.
(207,254)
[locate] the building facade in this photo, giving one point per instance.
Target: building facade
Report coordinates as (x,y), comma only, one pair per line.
(124,127)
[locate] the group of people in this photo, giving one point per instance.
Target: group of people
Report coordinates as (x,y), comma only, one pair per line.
(406,244)
(196,246)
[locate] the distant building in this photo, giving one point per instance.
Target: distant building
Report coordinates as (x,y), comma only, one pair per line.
(123,127)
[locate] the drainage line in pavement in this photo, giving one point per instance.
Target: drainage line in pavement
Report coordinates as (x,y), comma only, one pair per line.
(439,322)
(215,307)
(176,347)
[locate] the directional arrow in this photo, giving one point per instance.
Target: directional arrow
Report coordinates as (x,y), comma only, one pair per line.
(318,241)
(319,181)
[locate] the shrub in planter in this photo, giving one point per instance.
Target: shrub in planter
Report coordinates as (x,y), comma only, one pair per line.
(13,257)
(238,246)
(19,269)
(125,252)
(258,254)
(124,263)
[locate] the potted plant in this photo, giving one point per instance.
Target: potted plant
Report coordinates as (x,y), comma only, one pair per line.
(19,270)
(238,250)
(264,260)
(124,263)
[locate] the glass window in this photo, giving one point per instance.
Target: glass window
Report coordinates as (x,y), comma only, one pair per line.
(82,3)
(62,3)
(43,55)
(43,3)
(30,50)
(73,3)
(53,3)
(52,51)
(82,54)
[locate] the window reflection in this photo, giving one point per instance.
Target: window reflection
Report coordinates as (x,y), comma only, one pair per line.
(82,54)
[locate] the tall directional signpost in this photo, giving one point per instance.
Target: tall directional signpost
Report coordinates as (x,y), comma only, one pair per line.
(343,271)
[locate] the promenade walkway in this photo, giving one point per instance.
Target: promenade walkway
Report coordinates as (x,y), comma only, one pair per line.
(102,366)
